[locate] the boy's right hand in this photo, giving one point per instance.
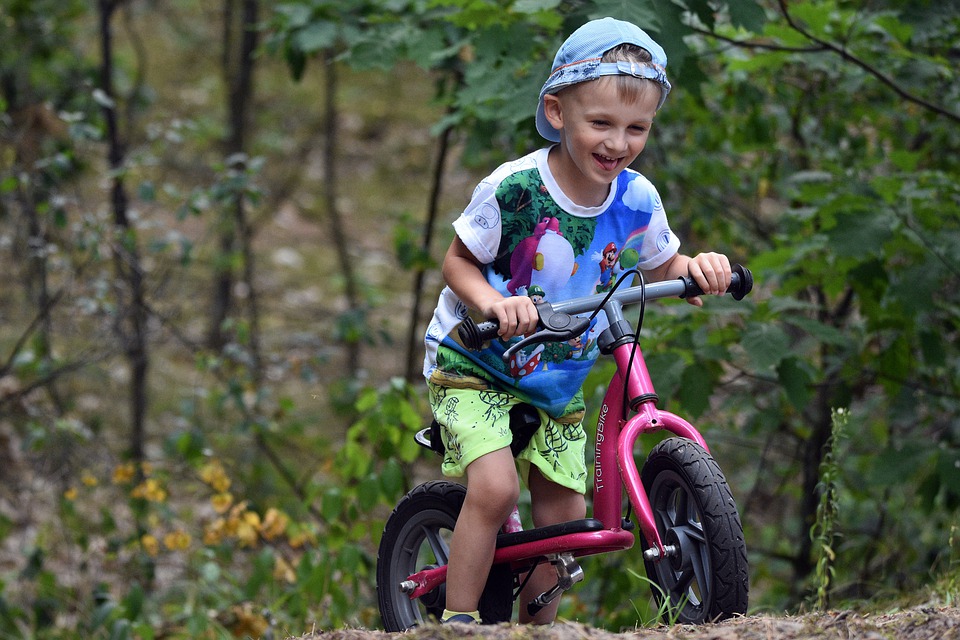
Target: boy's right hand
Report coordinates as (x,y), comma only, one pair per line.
(517,316)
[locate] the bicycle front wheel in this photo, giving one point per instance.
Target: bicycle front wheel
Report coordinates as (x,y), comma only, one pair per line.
(706,578)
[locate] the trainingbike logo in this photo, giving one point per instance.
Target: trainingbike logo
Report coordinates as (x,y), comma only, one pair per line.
(598,465)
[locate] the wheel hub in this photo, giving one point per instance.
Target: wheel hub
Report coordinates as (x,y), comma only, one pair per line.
(684,548)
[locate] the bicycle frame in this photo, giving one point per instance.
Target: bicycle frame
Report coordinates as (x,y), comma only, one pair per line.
(615,467)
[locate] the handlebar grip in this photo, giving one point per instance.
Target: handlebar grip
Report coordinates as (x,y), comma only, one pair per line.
(744,282)
(473,334)
(741,283)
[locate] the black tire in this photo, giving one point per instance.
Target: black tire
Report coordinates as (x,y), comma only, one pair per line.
(417,536)
(695,511)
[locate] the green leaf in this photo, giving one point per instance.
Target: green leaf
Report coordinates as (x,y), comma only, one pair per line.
(821,332)
(696,387)
(766,344)
(747,14)
(533,6)
(331,505)
(392,479)
(368,492)
(795,382)
(133,602)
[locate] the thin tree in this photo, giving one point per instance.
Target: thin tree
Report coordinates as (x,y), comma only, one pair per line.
(130,322)
(337,229)
(234,230)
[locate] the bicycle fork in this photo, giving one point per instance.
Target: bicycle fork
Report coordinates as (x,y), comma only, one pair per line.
(569,573)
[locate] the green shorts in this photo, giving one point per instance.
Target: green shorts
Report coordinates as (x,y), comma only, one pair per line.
(476,422)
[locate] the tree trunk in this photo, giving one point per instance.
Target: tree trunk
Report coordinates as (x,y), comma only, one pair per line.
(237,66)
(131,315)
(414,337)
(338,233)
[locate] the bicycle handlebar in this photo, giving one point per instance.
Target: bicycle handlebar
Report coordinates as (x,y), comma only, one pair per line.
(558,321)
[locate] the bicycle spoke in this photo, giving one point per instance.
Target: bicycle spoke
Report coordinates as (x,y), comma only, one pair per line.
(437,544)
(694,531)
(682,585)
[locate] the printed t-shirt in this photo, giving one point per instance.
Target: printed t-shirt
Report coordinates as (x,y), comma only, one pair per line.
(534,241)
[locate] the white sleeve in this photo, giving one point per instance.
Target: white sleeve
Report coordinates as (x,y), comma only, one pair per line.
(480,225)
(660,243)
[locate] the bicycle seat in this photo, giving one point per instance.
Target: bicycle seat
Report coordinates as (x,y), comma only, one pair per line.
(550,531)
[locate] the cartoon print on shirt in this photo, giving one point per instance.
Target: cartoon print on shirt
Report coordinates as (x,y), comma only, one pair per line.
(527,213)
(544,258)
(613,261)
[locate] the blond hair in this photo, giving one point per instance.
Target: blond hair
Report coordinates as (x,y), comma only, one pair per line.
(630,88)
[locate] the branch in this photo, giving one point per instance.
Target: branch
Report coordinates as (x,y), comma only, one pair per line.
(29,331)
(876,73)
(753,44)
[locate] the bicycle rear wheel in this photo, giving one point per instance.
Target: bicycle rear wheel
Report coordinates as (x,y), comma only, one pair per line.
(706,579)
(416,537)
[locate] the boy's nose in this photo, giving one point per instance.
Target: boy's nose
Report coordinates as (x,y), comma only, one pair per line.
(617,141)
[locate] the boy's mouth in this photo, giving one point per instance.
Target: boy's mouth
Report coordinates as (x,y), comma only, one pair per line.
(606,162)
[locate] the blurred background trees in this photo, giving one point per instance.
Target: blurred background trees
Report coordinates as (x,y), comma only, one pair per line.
(220,227)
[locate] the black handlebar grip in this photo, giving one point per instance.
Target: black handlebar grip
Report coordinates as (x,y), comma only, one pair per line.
(473,335)
(741,283)
(744,284)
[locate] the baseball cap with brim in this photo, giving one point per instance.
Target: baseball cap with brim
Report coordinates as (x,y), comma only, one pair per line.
(578,60)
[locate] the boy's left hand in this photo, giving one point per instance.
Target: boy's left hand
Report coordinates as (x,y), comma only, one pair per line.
(712,273)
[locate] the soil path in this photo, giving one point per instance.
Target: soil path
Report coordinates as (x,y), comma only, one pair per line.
(919,623)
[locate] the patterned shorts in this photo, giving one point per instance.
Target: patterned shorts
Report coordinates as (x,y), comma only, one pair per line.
(476,422)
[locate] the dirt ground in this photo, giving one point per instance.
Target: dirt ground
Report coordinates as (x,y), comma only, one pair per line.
(919,623)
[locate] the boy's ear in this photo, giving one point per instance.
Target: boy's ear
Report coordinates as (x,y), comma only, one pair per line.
(553,111)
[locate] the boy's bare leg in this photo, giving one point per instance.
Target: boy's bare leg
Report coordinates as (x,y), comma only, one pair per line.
(550,504)
(492,492)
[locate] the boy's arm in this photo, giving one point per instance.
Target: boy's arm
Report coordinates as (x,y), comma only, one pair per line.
(711,271)
(461,271)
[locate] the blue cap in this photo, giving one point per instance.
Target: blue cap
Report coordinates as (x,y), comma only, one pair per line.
(578,60)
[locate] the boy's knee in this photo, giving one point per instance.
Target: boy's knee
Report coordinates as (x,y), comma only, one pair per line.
(496,497)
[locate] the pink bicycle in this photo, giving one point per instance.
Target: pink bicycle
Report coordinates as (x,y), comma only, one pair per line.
(690,530)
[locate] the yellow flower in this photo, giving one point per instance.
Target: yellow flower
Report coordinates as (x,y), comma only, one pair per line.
(244,622)
(178,540)
(150,489)
(301,538)
(221,502)
(274,524)
(213,533)
(283,571)
(214,475)
(88,479)
(248,528)
(70,494)
(150,544)
(123,473)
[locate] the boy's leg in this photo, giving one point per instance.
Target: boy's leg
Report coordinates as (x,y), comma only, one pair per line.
(550,504)
(492,492)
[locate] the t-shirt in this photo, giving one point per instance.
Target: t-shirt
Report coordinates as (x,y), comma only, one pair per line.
(534,241)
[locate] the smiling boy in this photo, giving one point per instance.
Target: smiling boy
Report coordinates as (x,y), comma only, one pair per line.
(545,221)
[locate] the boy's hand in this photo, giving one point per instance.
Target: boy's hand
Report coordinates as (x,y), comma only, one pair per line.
(712,273)
(517,316)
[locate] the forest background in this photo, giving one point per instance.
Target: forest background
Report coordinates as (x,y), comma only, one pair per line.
(220,225)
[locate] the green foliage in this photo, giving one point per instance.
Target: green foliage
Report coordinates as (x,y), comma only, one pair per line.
(823,532)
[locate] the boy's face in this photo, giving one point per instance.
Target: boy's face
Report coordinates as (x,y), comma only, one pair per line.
(600,135)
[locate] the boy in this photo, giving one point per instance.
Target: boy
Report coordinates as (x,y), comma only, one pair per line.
(544,223)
